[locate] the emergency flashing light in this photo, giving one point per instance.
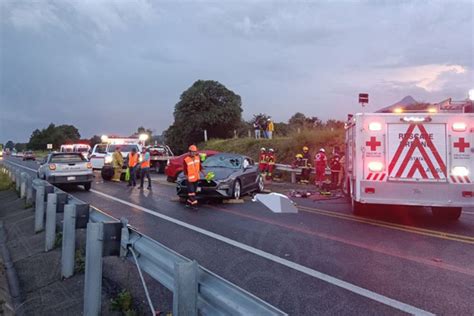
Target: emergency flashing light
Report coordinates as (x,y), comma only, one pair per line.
(460,171)
(104,138)
(143,137)
(375,126)
(415,119)
(398,110)
(375,166)
(52,166)
(471,94)
(459,127)
(432,110)
(89,165)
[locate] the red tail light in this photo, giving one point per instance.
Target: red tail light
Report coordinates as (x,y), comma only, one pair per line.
(370,190)
(467,193)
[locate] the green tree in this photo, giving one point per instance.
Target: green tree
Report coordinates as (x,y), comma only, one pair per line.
(56,135)
(95,140)
(297,120)
(10,145)
(20,147)
(206,105)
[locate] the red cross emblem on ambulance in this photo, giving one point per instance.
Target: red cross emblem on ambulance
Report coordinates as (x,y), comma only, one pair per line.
(373,143)
(461,144)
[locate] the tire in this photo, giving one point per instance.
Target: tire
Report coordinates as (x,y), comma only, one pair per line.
(107,174)
(446,213)
(260,184)
(358,208)
(236,190)
(87,186)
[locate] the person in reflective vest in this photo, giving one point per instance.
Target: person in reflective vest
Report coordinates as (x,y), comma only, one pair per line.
(306,165)
(320,162)
(145,168)
(271,160)
(335,165)
(192,170)
(262,161)
(132,166)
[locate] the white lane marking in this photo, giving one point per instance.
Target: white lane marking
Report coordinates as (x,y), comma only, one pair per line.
(295,266)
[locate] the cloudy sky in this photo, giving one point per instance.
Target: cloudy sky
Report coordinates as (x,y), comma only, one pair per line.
(111,66)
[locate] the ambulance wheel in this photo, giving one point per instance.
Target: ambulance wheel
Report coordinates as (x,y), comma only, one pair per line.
(449,213)
(358,208)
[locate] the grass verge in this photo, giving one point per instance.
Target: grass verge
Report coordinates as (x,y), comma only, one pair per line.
(5,183)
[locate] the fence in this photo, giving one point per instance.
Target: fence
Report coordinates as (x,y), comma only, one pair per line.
(195,289)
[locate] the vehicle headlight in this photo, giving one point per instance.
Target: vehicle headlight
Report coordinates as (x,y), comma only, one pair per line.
(108,159)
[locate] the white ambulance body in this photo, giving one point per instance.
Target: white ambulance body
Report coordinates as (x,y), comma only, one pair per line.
(419,159)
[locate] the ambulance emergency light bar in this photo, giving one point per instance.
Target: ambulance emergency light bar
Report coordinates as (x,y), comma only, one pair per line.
(415,119)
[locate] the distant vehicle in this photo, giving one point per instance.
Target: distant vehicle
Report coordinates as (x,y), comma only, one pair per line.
(107,170)
(175,165)
(1,151)
(102,153)
(235,176)
(29,155)
(159,157)
(76,148)
(66,168)
(411,158)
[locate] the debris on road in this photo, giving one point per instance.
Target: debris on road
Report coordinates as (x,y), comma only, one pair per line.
(276,202)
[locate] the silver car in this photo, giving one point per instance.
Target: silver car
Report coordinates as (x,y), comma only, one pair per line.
(63,168)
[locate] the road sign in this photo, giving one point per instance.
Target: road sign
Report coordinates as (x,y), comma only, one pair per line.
(49,146)
(417,154)
(363,98)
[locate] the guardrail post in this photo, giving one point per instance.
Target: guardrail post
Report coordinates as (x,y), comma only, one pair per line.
(69,241)
(17,180)
(185,289)
(50,222)
(39,209)
(23,185)
(93,273)
(29,190)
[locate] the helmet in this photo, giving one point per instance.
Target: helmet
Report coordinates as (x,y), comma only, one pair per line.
(305,148)
(299,156)
(271,150)
(192,148)
(322,149)
(263,149)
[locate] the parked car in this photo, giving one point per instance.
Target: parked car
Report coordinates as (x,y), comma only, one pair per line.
(29,155)
(235,176)
(175,165)
(65,168)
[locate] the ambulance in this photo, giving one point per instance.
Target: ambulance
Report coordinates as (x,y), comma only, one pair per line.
(102,153)
(412,158)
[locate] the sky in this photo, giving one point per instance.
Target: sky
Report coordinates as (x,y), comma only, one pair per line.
(108,67)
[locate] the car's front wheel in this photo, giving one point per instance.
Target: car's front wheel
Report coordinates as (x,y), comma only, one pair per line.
(87,186)
(236,190)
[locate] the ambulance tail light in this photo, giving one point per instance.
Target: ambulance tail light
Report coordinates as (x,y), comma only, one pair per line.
(375,166)
(459,127)
(370,190)
(460,171)
(375,126)
(467,194)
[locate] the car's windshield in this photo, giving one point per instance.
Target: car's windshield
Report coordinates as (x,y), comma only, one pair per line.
(101,149)
(123,148)
(219,161)
(67,158)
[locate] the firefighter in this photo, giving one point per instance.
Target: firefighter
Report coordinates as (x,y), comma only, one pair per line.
(117,164)
(192,170)
(335,165)
(262,161)
(298,163)
(132,166)
(271,160)
(320,162)
(306,166)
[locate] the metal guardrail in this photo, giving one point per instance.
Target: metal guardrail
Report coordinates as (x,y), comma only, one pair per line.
(196,290)
(297,170)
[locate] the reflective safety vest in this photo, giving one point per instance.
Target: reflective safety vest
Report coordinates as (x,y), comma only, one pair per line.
(271,159)
(193,166)
(263,158)
(145,163)
(132,159)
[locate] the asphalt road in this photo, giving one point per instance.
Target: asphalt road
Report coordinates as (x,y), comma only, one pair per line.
(322,260)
